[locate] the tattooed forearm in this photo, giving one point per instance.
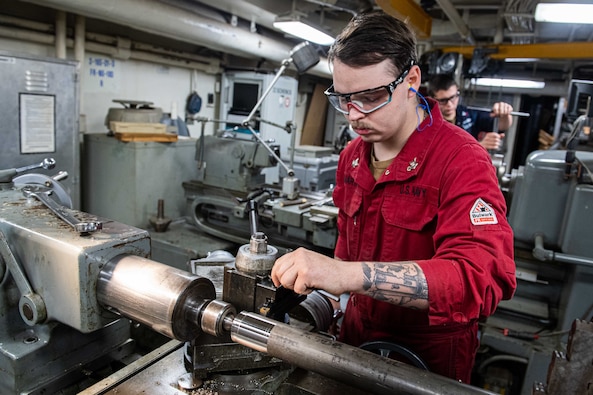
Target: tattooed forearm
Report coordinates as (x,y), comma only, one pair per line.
(402,284)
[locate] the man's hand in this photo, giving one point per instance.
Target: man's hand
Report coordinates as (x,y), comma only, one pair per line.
(492,141)
(304,271)
(502,111)
(399,283)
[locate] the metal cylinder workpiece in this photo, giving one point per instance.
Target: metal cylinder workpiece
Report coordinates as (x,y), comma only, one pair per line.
(354,366)
(167,299)
(252,330)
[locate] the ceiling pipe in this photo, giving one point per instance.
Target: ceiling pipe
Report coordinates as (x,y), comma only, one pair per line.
(26,35)
(79,38)
(79,41)
(242,8)
(446,28)
(165,20)
(456,19)
(115,51)
(324,3)
(31,25)
(61,35)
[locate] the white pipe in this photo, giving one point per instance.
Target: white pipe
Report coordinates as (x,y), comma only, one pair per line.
(456,19)
(441,28)
(143,47)
(25,35)
(61,35)
(499,33)
(49,39)
(162,19)
(79,38)
(148,57)
(79,41)
(31,25)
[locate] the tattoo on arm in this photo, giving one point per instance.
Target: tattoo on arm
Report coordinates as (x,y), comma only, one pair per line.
(400,284)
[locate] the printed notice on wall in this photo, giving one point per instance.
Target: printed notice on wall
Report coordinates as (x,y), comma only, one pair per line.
(38,130)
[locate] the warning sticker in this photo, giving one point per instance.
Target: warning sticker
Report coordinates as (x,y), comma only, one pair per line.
(482,214)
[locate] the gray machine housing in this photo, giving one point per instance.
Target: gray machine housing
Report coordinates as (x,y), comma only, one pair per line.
(551,215)
(30,85)
(61,268)
(149,170)
(544,202)
(314,166)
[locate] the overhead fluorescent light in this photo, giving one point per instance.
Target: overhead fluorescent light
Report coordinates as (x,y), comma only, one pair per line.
(294,26)
(564,13)
(520,60)
(509,83)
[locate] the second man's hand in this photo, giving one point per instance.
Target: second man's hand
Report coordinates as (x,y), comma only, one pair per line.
(492,140)
(502,111)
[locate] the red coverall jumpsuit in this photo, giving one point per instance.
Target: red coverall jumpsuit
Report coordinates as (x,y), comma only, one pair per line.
(438,204)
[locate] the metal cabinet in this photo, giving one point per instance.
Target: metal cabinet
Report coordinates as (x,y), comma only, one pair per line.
(39,112)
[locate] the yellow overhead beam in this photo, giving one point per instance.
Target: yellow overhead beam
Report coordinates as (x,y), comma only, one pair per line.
(410,12)
(570,50)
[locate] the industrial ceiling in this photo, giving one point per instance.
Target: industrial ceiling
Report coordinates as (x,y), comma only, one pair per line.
(497,30)
(501,29)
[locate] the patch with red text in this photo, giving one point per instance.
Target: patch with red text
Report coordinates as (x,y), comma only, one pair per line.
(482,214)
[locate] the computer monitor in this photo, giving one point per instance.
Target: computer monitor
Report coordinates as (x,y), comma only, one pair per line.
(245,96)
(579,99)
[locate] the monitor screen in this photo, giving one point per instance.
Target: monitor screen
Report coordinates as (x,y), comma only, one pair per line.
(579,99)
(245,96)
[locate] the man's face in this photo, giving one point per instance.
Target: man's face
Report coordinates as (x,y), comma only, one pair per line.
(448,101)
(386,122)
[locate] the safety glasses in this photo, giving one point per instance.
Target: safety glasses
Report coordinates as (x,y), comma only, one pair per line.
(445,100)
(365,101)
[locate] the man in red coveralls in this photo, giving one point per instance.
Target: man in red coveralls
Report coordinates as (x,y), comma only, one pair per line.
(424,247)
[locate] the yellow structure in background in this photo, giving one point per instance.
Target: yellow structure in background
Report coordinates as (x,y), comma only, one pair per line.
(410,12)
(571,50)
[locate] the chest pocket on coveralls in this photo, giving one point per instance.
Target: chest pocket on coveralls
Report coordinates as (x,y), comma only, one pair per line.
(351,201)
(410,207)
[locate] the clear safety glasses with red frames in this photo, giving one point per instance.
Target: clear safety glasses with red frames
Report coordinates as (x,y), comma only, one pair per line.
(365,101)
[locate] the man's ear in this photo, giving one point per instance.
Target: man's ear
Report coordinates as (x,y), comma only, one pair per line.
(413,79)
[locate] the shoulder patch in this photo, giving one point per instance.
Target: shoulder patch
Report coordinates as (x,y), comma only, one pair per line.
(482,214)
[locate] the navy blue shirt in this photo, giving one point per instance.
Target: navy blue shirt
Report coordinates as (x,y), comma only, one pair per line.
(473,121)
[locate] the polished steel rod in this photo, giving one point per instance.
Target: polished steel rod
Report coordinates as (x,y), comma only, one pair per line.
(354,366)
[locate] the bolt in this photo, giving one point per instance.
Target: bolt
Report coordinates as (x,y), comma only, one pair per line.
(160,223)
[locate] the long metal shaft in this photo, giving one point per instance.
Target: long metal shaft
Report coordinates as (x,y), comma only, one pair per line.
(359,368)
(486,109)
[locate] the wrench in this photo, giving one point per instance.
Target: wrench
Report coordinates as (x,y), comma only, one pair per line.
(8,174)
(42,194)
(47,163)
